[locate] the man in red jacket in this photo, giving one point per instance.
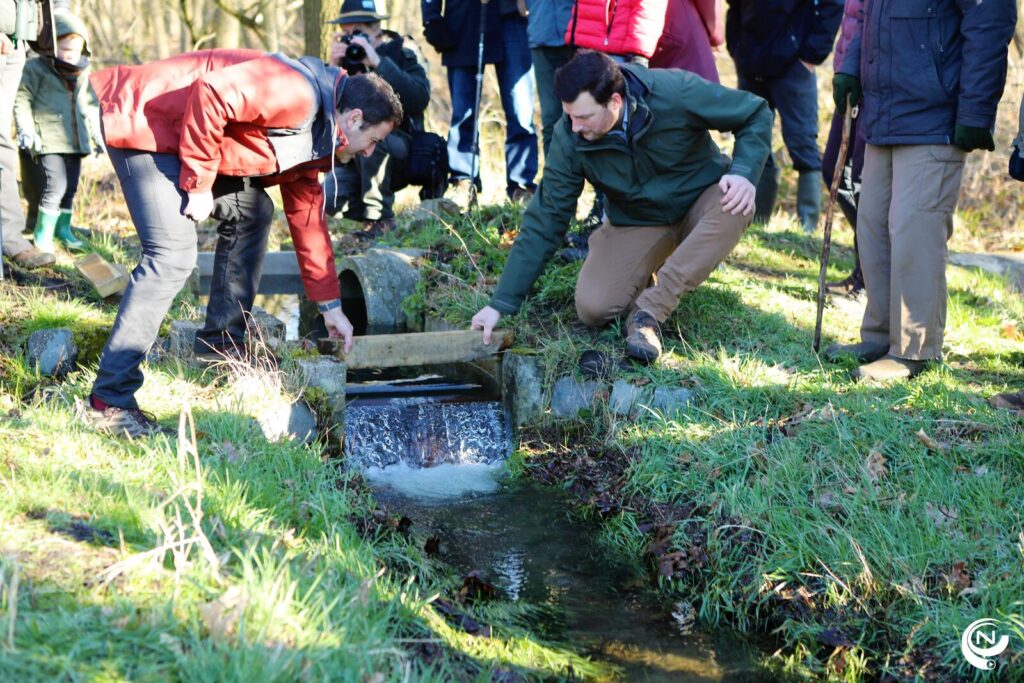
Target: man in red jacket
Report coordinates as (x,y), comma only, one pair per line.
(200,135)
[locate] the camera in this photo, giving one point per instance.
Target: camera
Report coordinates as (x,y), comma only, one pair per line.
(352,62)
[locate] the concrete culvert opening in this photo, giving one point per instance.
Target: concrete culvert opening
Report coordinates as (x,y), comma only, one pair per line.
(353,301)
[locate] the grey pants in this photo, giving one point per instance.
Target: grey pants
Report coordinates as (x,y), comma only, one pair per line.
(12,217)
(150,186)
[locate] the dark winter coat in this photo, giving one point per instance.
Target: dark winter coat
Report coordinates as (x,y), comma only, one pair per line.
(650,176)
(461,19)
(909,56)
(765,37)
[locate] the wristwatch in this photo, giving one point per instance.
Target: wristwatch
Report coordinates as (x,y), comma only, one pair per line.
(325,306)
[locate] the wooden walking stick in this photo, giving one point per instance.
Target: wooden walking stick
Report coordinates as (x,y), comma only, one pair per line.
(826,244)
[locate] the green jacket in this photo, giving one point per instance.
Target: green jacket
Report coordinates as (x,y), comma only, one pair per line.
(651,179)
(66,121)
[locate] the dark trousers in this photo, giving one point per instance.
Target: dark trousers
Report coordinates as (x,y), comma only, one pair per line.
(546,61)
(55,180)
(794,95)
(149,183)
(515,81)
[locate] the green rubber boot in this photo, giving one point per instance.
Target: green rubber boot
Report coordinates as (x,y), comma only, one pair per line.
(767,191)
(64,233)
(46,223)
(808,200)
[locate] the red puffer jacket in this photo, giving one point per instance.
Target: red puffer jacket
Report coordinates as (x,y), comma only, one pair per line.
(617,27)
(217,109)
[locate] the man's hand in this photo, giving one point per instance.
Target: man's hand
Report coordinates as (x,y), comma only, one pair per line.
(29,142)
(339,326)
(372,59)
(738,195)
(338,49)
(199,206)
(845,86)
(970,138)
(485,319)
(6,45)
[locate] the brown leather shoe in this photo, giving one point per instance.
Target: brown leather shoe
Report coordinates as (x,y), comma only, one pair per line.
(1008,401)
(32,258)
(643,336)
(890,368)
(864,352)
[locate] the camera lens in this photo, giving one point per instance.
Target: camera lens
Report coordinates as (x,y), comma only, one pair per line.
(355,53)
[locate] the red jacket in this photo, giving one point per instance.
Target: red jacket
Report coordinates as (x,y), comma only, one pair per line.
(617,27)
(217,110)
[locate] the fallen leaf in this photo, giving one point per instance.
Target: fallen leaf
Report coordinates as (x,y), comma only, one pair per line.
(1012,332)
(221,616)
(929,443)
(958,577)
(875,464)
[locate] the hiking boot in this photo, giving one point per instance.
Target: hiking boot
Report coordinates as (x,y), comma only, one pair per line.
(130,422)
(462,193)
(571,254)
(32,258)
(864,352)
(376,229)
(520,195)
(890,368)
(643,336)
(1009,401)
(849,287)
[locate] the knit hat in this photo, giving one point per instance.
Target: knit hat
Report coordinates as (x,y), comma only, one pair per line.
(65,23)
(360,12)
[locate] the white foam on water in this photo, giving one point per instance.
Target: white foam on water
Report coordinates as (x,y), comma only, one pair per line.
(439,483)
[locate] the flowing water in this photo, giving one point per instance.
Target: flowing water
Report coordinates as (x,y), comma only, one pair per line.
(440,462)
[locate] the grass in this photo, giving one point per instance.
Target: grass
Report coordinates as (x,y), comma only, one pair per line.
(862,526)
(214,556)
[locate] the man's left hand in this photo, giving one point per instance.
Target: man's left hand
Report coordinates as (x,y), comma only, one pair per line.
(339,326)
(738,195)
(199,206)
(6,46)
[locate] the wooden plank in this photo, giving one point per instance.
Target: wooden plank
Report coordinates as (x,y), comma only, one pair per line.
(421,348)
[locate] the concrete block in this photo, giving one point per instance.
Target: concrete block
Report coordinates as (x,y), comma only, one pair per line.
(522,387)
(624,398)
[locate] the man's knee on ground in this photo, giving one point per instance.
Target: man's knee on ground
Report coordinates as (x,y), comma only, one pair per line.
(595,311)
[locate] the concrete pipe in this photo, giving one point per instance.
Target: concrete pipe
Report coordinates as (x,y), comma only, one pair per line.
(373,286)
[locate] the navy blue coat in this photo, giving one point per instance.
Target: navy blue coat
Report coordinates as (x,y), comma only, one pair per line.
(909,56)
(765,37)
(463,19)
(548,21)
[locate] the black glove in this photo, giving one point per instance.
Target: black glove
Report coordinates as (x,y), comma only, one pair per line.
(969,138)
(1016,165)
(844,85)
(438,34)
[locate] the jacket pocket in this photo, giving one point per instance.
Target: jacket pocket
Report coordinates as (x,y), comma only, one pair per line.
(946,166)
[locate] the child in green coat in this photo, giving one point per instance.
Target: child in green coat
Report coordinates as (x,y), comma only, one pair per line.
(57,118)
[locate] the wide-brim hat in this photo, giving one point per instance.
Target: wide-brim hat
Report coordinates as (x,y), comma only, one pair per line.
(360,12)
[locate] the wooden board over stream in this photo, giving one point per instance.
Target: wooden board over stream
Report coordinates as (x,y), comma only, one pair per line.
(421,348)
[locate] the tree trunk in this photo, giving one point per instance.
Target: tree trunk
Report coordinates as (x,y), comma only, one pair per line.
(315,14)
(229,31)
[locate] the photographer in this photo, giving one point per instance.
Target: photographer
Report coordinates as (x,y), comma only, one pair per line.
(364,189)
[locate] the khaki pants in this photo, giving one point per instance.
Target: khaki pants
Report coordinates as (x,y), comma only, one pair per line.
(905,217)
(618,268)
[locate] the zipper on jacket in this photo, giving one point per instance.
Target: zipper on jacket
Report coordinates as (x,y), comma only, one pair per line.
(609,22)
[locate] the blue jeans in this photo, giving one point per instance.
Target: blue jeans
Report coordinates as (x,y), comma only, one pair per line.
(515,81)
(150,185)
(794,95)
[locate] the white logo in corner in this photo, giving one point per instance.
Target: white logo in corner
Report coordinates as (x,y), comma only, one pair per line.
(981,643)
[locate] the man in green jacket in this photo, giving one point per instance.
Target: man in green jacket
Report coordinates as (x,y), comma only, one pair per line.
(676,205)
